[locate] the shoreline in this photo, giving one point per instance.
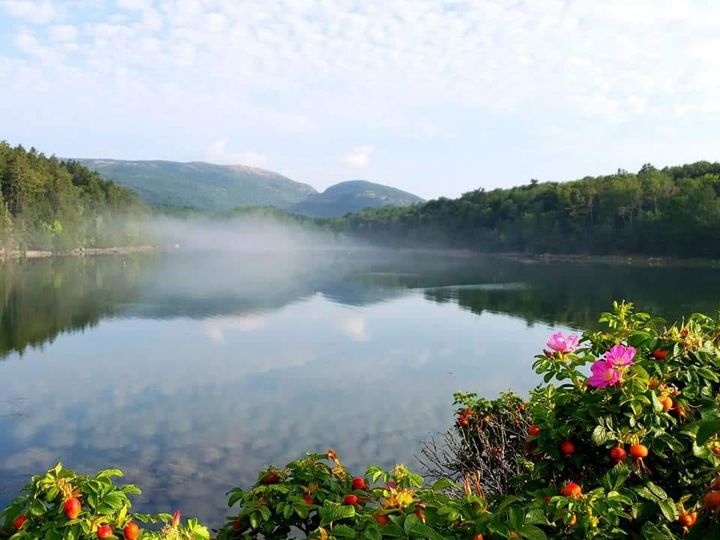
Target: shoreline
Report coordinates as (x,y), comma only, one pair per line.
(12,255)
(463,253)
(616,259)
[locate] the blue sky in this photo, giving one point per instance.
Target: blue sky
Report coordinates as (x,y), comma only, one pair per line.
(435,97)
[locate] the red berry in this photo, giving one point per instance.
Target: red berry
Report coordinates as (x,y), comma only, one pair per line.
(72,508)
(381,519)
(131,531)
(269,479)
(19,521)
(572,490)
(350,500)
(712,500)
(687,519)
(308,499)
(567,448)
(618,454)
(659,354)
(533,431)
(667,403)
(104,531)
(358,483)
(639,451)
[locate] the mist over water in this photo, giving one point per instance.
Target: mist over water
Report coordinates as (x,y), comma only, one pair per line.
(243,234)
(194,367)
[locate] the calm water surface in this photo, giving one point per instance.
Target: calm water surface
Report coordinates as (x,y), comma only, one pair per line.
(192,371)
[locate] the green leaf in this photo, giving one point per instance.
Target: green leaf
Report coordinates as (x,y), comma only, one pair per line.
(413,526)
(706,430)
(235,496)
(645,493)
(332,511)
(657,490)
(669,510)
(535,516)
(600,436)
(531,532)
(343,531)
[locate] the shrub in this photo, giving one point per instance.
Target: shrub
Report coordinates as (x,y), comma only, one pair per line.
(64,505)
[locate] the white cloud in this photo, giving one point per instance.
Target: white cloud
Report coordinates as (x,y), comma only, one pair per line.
(359,157)
(34,12)
(294,73)
(134,5)
(63,32)
(218,153)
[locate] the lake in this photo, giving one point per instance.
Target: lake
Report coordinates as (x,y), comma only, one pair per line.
(191,371)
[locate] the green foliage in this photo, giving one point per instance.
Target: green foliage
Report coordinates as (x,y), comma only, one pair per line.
(39,512)
(673,211)
(46,203)
(315,496)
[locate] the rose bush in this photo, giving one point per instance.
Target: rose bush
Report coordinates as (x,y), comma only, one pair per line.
(63,505)
(621,440)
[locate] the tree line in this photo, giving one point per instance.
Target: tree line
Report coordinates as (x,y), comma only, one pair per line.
(669,211)
(48,203)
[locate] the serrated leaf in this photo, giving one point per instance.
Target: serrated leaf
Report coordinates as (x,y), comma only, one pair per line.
(600,436)
(669,510)
(332,511)
(657,490)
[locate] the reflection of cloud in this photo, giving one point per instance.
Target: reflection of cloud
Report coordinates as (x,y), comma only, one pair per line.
(215,328)
(29,458)
(354,327)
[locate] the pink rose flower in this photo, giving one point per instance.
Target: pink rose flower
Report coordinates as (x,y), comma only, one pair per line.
(561,343)
(620,355)
(604,373)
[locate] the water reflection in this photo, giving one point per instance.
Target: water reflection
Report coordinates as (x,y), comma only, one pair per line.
(191,374)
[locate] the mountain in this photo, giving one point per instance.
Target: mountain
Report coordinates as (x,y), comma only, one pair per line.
(352,196)
(202,185)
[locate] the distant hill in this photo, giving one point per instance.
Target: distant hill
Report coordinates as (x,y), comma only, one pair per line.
(202,185)
(352,196)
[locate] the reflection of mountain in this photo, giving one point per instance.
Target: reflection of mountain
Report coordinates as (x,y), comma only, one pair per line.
(40,299)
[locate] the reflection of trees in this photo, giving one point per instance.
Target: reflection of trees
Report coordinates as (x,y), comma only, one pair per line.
(40,299)
(575,293)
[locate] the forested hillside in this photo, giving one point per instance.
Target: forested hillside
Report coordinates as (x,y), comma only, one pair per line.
(352,196)
(670,211)
(203,186)
(46,203)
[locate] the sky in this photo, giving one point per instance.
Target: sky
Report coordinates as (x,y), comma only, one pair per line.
(434,97)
